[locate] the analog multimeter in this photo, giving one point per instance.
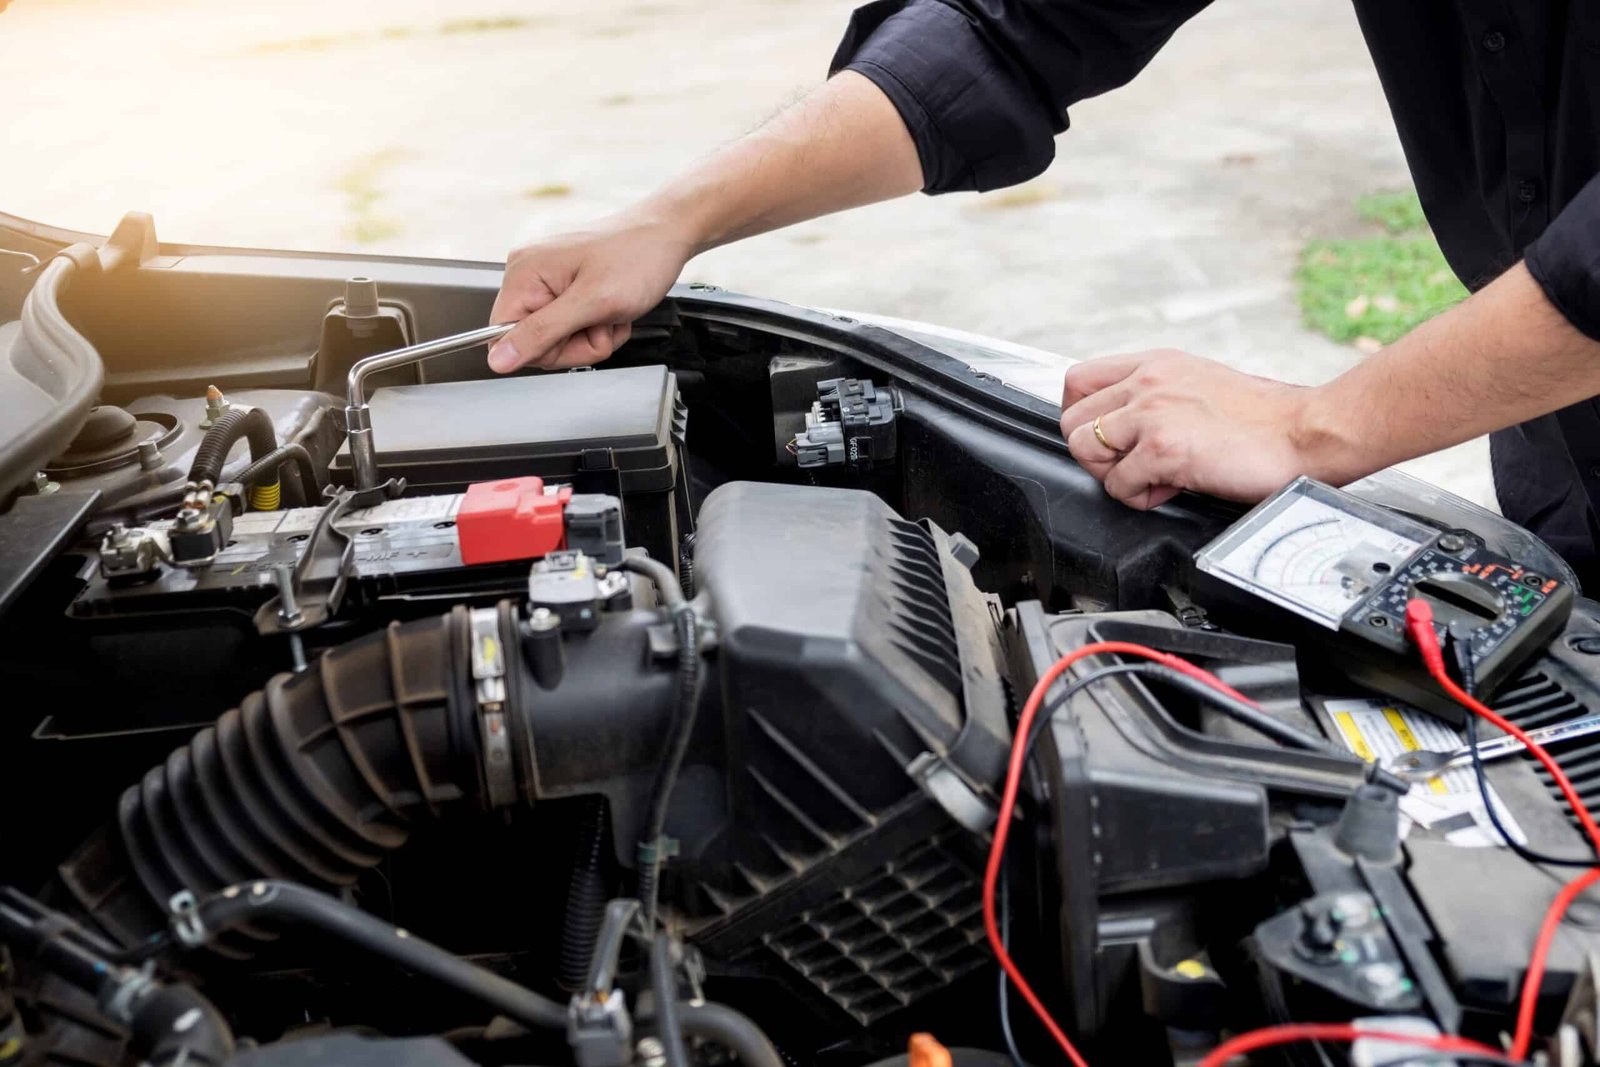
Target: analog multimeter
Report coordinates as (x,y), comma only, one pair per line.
(1349,567)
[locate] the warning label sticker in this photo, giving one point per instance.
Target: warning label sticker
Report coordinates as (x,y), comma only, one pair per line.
(1448,804)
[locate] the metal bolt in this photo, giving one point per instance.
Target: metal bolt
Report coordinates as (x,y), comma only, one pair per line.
(42,484)
(1452,543)
(216,406)
(150,457)
(1353,909)
(288,607)
(543,619)
(289,612)
(1383,979)
(652,1053)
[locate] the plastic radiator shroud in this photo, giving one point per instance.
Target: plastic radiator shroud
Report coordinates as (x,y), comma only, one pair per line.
(852,643)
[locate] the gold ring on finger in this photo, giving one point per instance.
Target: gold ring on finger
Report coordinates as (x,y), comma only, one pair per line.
(1100,435)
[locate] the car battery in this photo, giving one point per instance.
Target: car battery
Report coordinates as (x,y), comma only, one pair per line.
(178,642)
(617,431)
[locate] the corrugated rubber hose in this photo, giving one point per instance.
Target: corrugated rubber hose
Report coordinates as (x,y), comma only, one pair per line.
(314,778)
(253,424)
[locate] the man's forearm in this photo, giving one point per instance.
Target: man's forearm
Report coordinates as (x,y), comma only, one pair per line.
(843,145)
(1501,357)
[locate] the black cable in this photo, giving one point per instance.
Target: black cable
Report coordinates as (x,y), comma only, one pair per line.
(1459,651)
(1482,777)
(286,902)
(666,583)
(1073,688)
(1003,891)
(685,706)
(271,464)
(663,987)
(253,424)
(1235,709)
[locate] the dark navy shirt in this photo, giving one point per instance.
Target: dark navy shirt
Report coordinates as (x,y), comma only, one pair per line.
(1498,107)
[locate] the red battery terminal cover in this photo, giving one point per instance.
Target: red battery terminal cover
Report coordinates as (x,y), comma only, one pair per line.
(513,518)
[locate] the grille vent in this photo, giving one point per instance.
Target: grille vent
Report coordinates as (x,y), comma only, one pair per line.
(919,621)
(1534,700)
(910,927)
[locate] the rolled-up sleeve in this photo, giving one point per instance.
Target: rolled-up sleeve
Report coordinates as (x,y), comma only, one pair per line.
(984,85)
(1565,260)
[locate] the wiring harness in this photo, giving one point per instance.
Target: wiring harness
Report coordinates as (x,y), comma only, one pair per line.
(1421,628)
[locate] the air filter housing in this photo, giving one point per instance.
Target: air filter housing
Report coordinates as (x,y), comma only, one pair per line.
(860,677)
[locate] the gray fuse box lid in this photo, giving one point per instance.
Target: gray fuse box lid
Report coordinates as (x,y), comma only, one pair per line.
(555,424)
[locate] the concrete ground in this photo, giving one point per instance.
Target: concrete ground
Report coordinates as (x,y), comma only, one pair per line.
(1172,217)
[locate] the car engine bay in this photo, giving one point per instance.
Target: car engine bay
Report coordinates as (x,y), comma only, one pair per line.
(683,708)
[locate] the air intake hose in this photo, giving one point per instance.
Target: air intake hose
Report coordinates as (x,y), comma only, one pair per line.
(251,423)
(319,775)
(313,779)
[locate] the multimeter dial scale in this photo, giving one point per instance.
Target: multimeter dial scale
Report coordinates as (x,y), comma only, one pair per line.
(1349,567)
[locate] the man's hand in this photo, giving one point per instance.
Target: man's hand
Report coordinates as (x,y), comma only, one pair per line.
(1176,421)
(575,297)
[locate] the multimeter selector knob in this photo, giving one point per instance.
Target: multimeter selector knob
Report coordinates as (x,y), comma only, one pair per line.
(1460,598)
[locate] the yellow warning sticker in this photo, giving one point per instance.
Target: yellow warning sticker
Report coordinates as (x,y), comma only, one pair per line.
(1352,736)
(1378,731)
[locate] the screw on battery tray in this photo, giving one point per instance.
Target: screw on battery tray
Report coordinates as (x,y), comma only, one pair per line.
(289,612)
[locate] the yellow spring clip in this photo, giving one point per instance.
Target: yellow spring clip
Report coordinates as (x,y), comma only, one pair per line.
(266,497)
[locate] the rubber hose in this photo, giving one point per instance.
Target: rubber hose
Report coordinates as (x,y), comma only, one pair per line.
(586,896)
(664,989)
(314,778)
(251,423)
(284,902)
(310,486)
(71,363)
(661,575)
(167,1022)
(733,1031)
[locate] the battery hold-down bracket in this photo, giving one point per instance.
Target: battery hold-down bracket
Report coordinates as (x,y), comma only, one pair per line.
(851,424)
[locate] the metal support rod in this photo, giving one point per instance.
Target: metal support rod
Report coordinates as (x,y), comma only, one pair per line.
(358,416)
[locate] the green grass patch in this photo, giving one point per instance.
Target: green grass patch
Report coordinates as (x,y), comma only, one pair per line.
(1395,212)
(548,191)
(368,229)
(1376,288)
(360,184)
